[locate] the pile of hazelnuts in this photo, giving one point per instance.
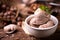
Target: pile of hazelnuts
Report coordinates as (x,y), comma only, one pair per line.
(8,15)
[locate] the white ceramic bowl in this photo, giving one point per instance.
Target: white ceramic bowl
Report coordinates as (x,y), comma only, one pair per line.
(39,32)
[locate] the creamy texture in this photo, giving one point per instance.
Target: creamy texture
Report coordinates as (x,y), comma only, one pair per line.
(41,18)
(48,24)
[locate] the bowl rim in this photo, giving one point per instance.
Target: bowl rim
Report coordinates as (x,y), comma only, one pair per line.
(41,28)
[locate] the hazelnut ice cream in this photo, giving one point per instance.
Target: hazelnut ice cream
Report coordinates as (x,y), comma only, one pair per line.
(41,18)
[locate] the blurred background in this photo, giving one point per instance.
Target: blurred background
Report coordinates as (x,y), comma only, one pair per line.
(15,11)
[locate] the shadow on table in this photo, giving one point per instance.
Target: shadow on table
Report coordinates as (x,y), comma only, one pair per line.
(55,36)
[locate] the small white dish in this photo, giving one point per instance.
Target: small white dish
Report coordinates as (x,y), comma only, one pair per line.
(10,28)
(39,32)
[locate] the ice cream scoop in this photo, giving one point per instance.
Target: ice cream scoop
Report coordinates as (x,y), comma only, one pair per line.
(39,13)
(40,17)
(48,24)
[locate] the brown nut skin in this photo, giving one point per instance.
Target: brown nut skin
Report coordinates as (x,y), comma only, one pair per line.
(48,24)
(19,23)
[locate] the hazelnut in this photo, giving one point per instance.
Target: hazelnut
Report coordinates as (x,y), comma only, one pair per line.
(19,23)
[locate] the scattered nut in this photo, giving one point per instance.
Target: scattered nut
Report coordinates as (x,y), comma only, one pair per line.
(19,23)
